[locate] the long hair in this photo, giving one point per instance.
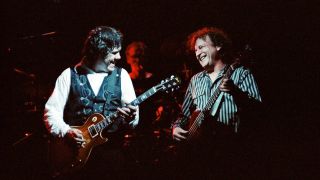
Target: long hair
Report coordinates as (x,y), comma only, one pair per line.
(101,41)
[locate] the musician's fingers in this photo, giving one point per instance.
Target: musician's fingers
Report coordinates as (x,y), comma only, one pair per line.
(79,139)
(81,145)
(124,111)
(227,81)
(179,136)
(224,88)
(132,108)
(182,131)
(79,134)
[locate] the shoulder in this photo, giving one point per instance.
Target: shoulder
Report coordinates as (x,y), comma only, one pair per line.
(125,77)
(64,77)
(65,73)
(123,72)
(242,71)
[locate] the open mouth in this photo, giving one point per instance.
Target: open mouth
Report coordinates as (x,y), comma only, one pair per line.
(202,56)
(112,62)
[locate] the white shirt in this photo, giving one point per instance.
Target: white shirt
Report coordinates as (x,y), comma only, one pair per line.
(54,108)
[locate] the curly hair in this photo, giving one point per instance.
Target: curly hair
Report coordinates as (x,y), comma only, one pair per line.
(101,41)
(217,36)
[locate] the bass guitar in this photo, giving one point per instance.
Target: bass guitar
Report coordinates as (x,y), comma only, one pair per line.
(197,117)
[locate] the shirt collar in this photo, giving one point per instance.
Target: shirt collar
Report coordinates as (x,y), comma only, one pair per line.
(204,73)
(82,68)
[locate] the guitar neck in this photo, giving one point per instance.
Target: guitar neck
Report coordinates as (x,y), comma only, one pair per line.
(212,99)
(112,117)
(144,96)
(217,92)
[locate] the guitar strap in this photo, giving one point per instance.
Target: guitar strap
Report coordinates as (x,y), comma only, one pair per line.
(217,104)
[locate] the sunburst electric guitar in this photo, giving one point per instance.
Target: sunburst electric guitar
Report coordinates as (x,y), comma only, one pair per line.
(65,157)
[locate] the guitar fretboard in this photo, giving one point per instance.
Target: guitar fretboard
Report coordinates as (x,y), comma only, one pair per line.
(144,96)
(111,118)
(217,92)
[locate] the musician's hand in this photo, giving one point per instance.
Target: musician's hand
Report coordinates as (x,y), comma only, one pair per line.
(75,135)
(128,113)
(179,134)
(228,86)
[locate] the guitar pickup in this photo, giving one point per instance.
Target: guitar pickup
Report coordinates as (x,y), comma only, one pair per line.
(92,130)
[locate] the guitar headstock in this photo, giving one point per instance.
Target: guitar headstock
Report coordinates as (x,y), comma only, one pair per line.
(169,84)
(244,57)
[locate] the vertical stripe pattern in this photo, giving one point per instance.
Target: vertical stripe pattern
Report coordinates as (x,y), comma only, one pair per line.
(201,88)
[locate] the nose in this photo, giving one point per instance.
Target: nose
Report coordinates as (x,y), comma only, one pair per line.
(117,56)
(198,52)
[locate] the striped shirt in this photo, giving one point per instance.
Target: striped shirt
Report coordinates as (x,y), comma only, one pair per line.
(201,88)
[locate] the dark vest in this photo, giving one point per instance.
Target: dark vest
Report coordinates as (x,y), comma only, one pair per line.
(82,101)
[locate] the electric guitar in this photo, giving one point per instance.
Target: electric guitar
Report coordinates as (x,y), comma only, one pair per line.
(197,117)
(65,157)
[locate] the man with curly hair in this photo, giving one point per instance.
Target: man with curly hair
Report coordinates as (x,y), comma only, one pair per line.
(213,50)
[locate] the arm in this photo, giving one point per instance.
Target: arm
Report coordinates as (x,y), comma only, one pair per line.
(249,85)
(245,93)
(187,102)
(53,112)
(128,95)
(177,132)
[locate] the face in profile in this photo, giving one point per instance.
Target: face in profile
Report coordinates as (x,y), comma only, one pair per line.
(107,63)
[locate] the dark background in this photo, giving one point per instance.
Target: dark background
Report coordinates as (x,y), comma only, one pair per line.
(282,35)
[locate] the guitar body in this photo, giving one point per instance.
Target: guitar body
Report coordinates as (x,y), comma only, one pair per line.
(66,157)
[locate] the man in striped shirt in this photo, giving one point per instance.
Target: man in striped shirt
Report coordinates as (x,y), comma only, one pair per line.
(212,48)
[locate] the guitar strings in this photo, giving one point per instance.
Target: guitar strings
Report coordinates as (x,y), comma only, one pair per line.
(195,124)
